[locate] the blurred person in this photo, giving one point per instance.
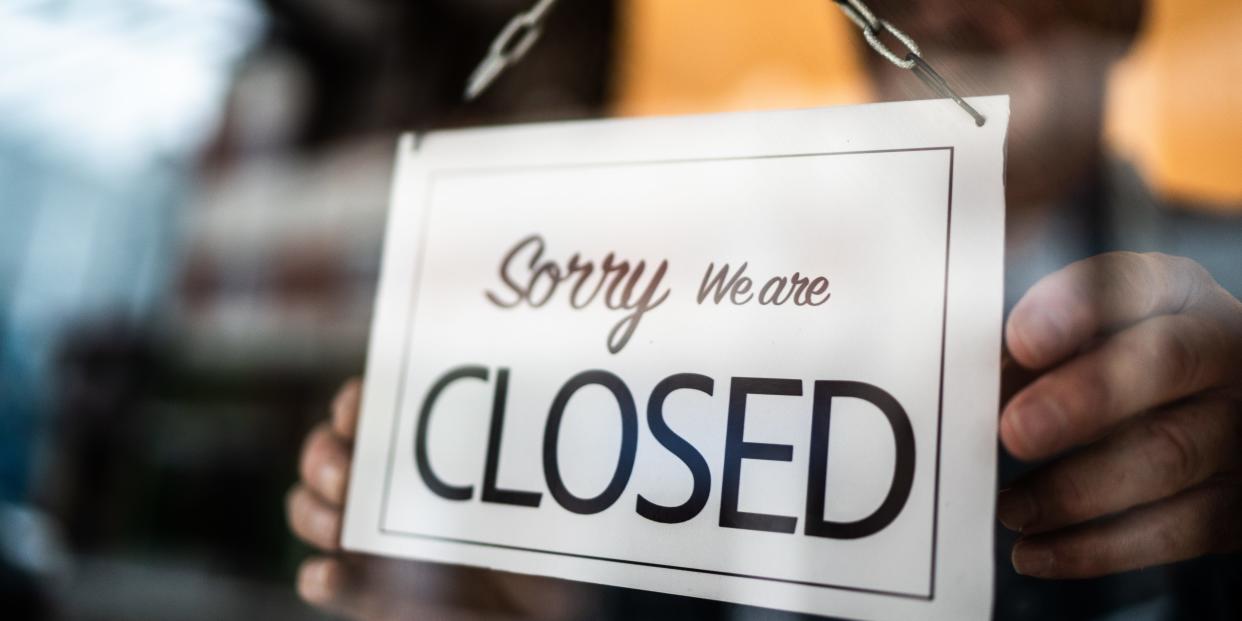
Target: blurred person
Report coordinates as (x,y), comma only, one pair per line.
(1134,356)
(1122,371)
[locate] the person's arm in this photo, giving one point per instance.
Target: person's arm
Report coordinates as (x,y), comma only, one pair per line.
(1140,361)
(366,587)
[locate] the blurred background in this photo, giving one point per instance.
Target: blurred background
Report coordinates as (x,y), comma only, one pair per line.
(193,195)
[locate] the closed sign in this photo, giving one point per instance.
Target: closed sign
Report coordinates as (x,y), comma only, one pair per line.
(749,357)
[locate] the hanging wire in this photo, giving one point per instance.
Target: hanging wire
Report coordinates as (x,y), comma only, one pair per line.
(521,33)
(872,27)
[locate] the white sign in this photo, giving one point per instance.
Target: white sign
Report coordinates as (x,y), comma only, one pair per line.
(747,357)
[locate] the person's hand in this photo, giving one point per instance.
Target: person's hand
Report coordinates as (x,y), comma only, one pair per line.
(1140,368)
(367,587)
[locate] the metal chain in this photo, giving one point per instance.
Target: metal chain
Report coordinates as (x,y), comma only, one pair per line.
(521,33)
(872,27)
(513,42)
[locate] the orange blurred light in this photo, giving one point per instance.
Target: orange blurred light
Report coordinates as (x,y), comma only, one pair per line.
(1175,106)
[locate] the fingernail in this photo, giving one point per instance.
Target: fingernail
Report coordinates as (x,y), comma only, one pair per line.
(1015,508)
(1032,559)
(1037,424)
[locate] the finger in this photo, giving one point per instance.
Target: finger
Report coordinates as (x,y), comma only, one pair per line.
(345,408)
(1066,309)
(1154,458)
(341,584)
(361,587)
(546,598)
(324,466)
(322,582)
(312,520)
(1155,362)
(338,584)
(1194,523)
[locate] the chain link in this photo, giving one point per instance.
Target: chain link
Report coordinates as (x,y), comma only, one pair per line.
(521,33)
(513,42)
(872,27)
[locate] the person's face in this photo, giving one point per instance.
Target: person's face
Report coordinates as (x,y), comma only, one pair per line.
(1051,56)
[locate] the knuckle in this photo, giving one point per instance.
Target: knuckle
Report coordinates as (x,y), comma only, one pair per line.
(1170,542)
(1185,276)
(1172,452)
(1172,351)
(1182,267)
(1164,266)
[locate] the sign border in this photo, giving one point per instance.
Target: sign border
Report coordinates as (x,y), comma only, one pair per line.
(409,320)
